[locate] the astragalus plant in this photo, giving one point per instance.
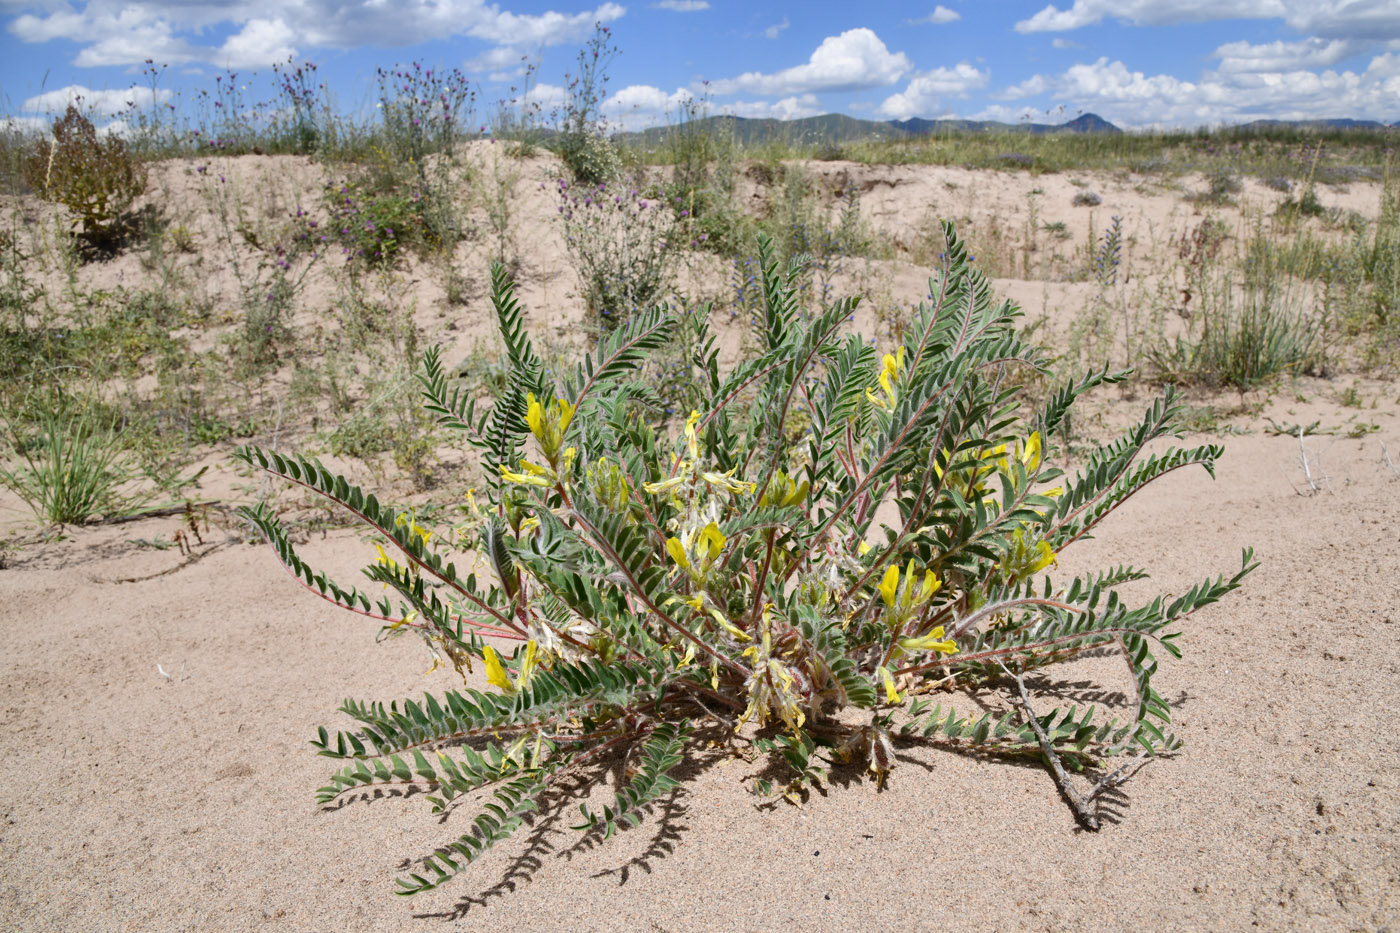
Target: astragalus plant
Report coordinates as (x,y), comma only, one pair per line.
(833,533)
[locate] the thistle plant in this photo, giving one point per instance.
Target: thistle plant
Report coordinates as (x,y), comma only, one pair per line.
(834,534)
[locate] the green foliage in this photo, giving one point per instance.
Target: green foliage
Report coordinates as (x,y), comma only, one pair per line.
(74,468)
(580,140)
(94,178)
(622,242)
(832,531)
(1242,339)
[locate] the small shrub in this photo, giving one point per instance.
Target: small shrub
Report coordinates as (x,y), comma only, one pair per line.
(1305,205)
(1221,184)
(1086,199)
(734,584)
(93,177)
(581,142)
(371,226)
(621,242)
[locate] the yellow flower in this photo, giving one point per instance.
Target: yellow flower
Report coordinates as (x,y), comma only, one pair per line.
(914,594)
(548,423)
(889,586)
(727,481)
(697,554)
(1026,556)
(496,671)
(534,475)
(677,552)
(783,492)
(692,442)
(891,367)
(666,485)
(891,694)
(933,641)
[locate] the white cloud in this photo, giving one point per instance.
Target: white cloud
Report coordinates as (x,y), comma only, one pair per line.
(682,6)
(127,32)
(24,125)
(1009,114)
(104,103)
(502,60)
(1358,19)
(1060,42)
(639,106)
(546,97)
(854,60)
(549,28)
(940,15)
(789,108)
(926,90)
(258,44)
(1287,56)
(1132,98)
(772,32)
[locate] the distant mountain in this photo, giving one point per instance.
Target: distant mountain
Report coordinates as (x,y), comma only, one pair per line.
(834,129)
(1341,123)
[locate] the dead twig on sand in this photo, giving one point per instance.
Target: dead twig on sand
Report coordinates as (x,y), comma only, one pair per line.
(1082,811)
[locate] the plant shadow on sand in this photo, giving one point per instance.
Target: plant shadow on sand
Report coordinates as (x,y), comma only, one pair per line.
(665,818)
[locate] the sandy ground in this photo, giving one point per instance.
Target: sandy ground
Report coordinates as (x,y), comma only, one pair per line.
(158,775)
(135,801)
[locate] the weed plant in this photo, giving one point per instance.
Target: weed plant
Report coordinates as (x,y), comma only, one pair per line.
(580,139)
(1244,337)
(833,534)
(622,243)
(74,468)
(94,178)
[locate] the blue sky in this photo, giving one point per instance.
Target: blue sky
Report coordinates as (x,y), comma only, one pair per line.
(1138,63)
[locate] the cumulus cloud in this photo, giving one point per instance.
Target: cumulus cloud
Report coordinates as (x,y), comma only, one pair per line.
(682,6)
(789,108)
(101,102)
(259,43)
(928,89)
(639,106)
(940,15)
(127,32)
(854,60)
(501,61)
(1357,19)
(1287,56)
(1133,98)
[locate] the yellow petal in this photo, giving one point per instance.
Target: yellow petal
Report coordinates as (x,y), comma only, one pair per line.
(666,485)
(677,552)
(524,479)
(931,585)
(712,539)
(495,671)
(891,694)
(933,641)
(527,667)
(1031,455)
(534,415)
(863,549)
(1045,556)
(566,414)
(889,586)
(692,442)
